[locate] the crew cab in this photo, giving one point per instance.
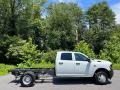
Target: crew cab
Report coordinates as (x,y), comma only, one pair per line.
(68,64)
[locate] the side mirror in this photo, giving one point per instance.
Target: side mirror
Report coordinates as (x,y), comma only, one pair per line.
(89,60)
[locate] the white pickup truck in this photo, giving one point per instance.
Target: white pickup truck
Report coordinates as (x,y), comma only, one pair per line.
(68,64)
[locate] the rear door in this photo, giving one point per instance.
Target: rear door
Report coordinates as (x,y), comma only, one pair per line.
(65,65)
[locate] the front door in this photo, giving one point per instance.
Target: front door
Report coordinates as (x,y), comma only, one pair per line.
(82,65)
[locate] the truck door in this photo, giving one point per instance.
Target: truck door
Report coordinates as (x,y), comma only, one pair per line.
(65,65)
(81,64)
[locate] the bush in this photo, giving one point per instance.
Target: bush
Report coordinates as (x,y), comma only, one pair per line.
(83,47)
(5,42)
(23,51)
(49,56)
(103,55)
(31,64)
(111,53)
(47,61)
(5,68)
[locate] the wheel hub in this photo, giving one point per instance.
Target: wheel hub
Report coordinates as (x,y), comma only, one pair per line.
(102,78)
(27,79)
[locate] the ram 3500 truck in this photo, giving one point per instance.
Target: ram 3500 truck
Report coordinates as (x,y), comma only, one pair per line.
(68,64)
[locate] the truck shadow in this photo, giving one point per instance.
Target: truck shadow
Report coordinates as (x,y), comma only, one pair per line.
(83,81)
(61,81)
(15,81)
(64,81)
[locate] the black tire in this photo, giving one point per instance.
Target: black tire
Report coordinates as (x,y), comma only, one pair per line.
(27,80)
(101,78)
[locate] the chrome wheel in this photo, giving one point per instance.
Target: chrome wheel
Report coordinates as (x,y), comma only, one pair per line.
(102,78)
(27,79)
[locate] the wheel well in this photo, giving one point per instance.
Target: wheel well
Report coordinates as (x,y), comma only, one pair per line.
(104,70)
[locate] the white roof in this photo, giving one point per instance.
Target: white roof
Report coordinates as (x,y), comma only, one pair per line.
(71,52)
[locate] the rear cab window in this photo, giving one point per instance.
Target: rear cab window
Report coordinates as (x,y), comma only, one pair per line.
(66,56)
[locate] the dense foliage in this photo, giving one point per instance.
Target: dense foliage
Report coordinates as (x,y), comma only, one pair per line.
(49,56)
(23,51)
(64,24)
(28,40)
(111,50)
(101,21)
(83,47)
(5,68)
(5,42)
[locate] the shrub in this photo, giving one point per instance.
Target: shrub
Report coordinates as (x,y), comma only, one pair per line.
(49,56)
(111,52)
(83,47)
(5,68)
(31,64)
(5,42)
(47,61)
(103,55)
(23,51)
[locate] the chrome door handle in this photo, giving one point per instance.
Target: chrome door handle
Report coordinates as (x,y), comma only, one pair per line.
(77,63)
(60,63)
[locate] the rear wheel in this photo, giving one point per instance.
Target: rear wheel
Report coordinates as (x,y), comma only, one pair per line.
(27,80)
(101,77)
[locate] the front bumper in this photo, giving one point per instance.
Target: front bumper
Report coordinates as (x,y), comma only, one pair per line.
(111,73)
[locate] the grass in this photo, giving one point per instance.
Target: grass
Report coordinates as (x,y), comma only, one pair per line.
(5,68)
(116,66)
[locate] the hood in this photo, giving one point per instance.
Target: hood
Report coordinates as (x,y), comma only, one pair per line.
(101,61)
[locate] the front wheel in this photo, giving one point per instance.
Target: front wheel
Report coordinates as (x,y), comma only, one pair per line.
(101,77)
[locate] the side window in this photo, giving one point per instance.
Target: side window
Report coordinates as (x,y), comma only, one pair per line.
(66,56)
(80,57)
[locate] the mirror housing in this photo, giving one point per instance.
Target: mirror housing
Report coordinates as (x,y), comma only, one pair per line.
(89,60)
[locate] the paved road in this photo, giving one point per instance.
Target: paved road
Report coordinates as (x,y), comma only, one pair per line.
(8,83)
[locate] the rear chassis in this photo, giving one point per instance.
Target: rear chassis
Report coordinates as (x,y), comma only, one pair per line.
(38,73)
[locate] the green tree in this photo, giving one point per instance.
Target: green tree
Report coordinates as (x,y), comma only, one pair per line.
(111,49)
(8,16)
(96,38)
(23,18)
(16,16)
(64,23)
(36,26)
(30,17)
(101,16)
(101,20)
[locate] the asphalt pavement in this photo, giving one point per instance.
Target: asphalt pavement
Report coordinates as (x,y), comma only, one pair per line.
(8,82)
